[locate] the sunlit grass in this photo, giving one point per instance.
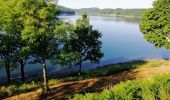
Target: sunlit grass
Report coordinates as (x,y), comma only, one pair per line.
(156,88)
(129,66)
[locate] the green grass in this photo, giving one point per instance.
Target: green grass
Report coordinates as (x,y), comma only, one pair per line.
(129,66)
(157,88)
(18,87)
(114,69)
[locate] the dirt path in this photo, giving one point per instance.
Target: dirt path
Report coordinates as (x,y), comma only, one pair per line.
(148,72)
(68,89)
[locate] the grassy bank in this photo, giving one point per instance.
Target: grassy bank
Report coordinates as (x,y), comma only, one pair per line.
(157,88)
(88,81)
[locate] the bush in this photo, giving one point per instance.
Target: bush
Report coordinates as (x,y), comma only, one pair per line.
(8,91)
(157,88)
(16,88)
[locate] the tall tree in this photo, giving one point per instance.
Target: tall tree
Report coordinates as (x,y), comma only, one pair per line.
(155,24)
(65,33)
(9,36)
(39,22)
(22,56)
(12,23)
(8,49)
(87,45)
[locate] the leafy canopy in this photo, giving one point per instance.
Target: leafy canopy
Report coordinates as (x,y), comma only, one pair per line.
(9,31)
(155,24)
(87,45)
(39,22)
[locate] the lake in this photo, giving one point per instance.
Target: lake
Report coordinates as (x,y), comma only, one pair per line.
(122,41)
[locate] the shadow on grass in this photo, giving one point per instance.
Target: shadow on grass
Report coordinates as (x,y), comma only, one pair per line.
(99,79)
(66,91)
(113,74)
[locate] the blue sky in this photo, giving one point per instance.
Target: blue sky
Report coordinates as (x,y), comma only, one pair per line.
(106,3)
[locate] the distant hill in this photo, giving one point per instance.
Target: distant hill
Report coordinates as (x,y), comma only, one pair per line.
(104,12)
(116,12)
(64,10)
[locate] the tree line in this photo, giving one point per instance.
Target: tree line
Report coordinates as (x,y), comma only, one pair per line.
(106,11)
(64,10)
(30,29)
(116,12)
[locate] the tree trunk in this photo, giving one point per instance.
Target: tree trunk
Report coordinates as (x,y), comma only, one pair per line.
(7,67)
(22,71)
(80,65)
(45,77)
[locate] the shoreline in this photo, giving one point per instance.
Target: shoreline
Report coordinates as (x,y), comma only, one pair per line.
(52,70)
(105,15)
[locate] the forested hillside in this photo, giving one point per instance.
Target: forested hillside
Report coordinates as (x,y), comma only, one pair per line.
(64,10)
(116,12)
(107,11)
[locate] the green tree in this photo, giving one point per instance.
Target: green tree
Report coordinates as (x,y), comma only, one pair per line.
(155,24)
(39,22)
(8,49)
(65,33)
(87,46)
(22,55)
(10,33)
(12,23)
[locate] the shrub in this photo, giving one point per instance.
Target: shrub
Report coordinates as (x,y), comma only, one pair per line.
(15,88)
(157,88)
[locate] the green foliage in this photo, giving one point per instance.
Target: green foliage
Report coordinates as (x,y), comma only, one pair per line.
(27,32)
(12,44)
(65,33)
(155,24)
(39,23)
(157,88)
(87,44)
(80,43)
(9,33)
(16,88)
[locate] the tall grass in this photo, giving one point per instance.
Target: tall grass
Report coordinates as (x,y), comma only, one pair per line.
(157,88)
(18,87)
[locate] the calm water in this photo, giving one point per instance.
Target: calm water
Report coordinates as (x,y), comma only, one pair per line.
(122,38)
(122,41)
